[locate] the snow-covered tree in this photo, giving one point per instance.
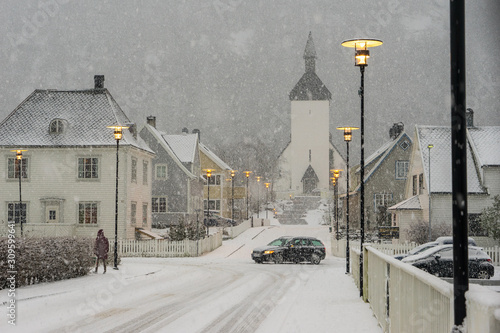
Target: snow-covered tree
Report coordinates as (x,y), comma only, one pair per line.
(490,219)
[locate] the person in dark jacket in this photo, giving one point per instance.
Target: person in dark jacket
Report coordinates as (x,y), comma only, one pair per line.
(101,248)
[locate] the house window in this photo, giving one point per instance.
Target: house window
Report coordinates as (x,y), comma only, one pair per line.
(88,168)
(310,156)
(56,126)
(161,171)
(144,172)
(87,212)
(421,183)
(134,170)
(214,180)
(402,169)
(213,205)
(404,145)
(159,205)
(133,212)
(382,200)
(144,213)
(415,184)
(13,168)
(16,212)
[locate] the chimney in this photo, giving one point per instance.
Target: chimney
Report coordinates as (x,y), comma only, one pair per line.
(98,81)
(396,130)
(151,120)
(197,131)
(469,117)
(185,130)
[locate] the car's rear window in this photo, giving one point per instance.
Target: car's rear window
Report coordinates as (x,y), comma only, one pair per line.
(316,242)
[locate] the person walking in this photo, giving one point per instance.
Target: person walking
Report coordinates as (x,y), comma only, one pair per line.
(101,248)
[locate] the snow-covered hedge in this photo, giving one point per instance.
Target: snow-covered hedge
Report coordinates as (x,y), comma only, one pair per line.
(45,259)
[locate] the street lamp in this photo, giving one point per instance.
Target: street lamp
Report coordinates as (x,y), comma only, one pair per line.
(118,134)
(429,147)
(336,175)
(267,193)
(258,196)
(347,139)
(209,175)
(247,174)
(233,172)
(361,56)
(19,162)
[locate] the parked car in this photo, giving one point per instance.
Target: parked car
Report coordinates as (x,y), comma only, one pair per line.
(438,260)
(449,240)
(416,250)
(291,249)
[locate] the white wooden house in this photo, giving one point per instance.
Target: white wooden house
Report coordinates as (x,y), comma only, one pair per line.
(483,177)
(69,166)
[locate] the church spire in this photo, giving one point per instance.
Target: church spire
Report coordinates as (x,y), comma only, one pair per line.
(310,55)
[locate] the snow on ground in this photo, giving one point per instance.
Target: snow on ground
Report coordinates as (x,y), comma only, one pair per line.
(222,291)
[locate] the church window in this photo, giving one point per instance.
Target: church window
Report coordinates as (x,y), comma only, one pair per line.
(309,155)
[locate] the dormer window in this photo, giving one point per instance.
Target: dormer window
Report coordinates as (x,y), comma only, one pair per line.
(56,126)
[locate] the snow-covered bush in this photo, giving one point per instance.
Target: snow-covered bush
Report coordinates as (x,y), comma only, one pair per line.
(46,259)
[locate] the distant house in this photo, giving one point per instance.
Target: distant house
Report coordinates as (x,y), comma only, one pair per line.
(69,165)
(177,183)
(386,171)
(483,176)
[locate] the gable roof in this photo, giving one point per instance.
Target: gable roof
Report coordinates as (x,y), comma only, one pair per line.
(210,154)
(440,138)
(310,87)
(85,114)
(159,136)
(412,203)
(184,146)
(484,143)
(373,162)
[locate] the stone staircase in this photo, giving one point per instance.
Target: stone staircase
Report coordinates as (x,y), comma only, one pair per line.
(293,214)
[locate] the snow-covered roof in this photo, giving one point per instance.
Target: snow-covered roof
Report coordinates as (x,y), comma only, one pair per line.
(412,203)
(440,155)
(220,163)
(183,145)
(485,144)
(84,115)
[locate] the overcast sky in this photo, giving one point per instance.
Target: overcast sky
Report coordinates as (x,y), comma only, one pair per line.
(226,66)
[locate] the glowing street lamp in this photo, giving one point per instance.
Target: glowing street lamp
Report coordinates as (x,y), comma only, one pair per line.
(429,147)
(209,175)
(247,174)
(361,56)
(267,200)
(118,134)
(19,162)
(347,139)
(233,172)
(336,175)
(258,195)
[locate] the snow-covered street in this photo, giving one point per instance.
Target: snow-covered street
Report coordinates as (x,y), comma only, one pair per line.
(223,291)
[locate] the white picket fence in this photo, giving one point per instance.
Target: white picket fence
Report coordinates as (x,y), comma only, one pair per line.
(164,248)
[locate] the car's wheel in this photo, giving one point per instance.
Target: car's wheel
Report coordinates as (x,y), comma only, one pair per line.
(258,261)
(483,274)
(315,259)
(278,258)
(296,260)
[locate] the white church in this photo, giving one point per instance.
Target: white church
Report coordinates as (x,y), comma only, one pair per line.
(305,163)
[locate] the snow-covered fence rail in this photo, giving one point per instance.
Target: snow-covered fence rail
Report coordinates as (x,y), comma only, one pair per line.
(165,248)
(236,230)
(406,299)
(494,253)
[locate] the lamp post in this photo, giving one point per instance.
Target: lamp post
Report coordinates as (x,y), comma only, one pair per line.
(19,162)
(247,174)
(336,175)
(233,172)
(429,147)
(209,175)
(361,56)
(267,194)
(118,134)
(258,196)
(334,182)
(347,139)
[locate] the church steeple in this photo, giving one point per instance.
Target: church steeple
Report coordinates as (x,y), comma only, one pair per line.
(310,55)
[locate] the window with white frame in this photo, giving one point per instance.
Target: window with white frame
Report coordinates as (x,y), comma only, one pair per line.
(159,204)
(133,212)
(144,172)
(87,212)
(214,205)
(381,200)
(214,180)
(56,126)
(144,213)
(88,168)
(134,170)
(16,212)
(13,166)
(161,171)
(402,169)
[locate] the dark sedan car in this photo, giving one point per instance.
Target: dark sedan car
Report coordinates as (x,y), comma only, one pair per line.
(291,249)
(438,260)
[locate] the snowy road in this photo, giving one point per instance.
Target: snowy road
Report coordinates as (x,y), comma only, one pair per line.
(224,291)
